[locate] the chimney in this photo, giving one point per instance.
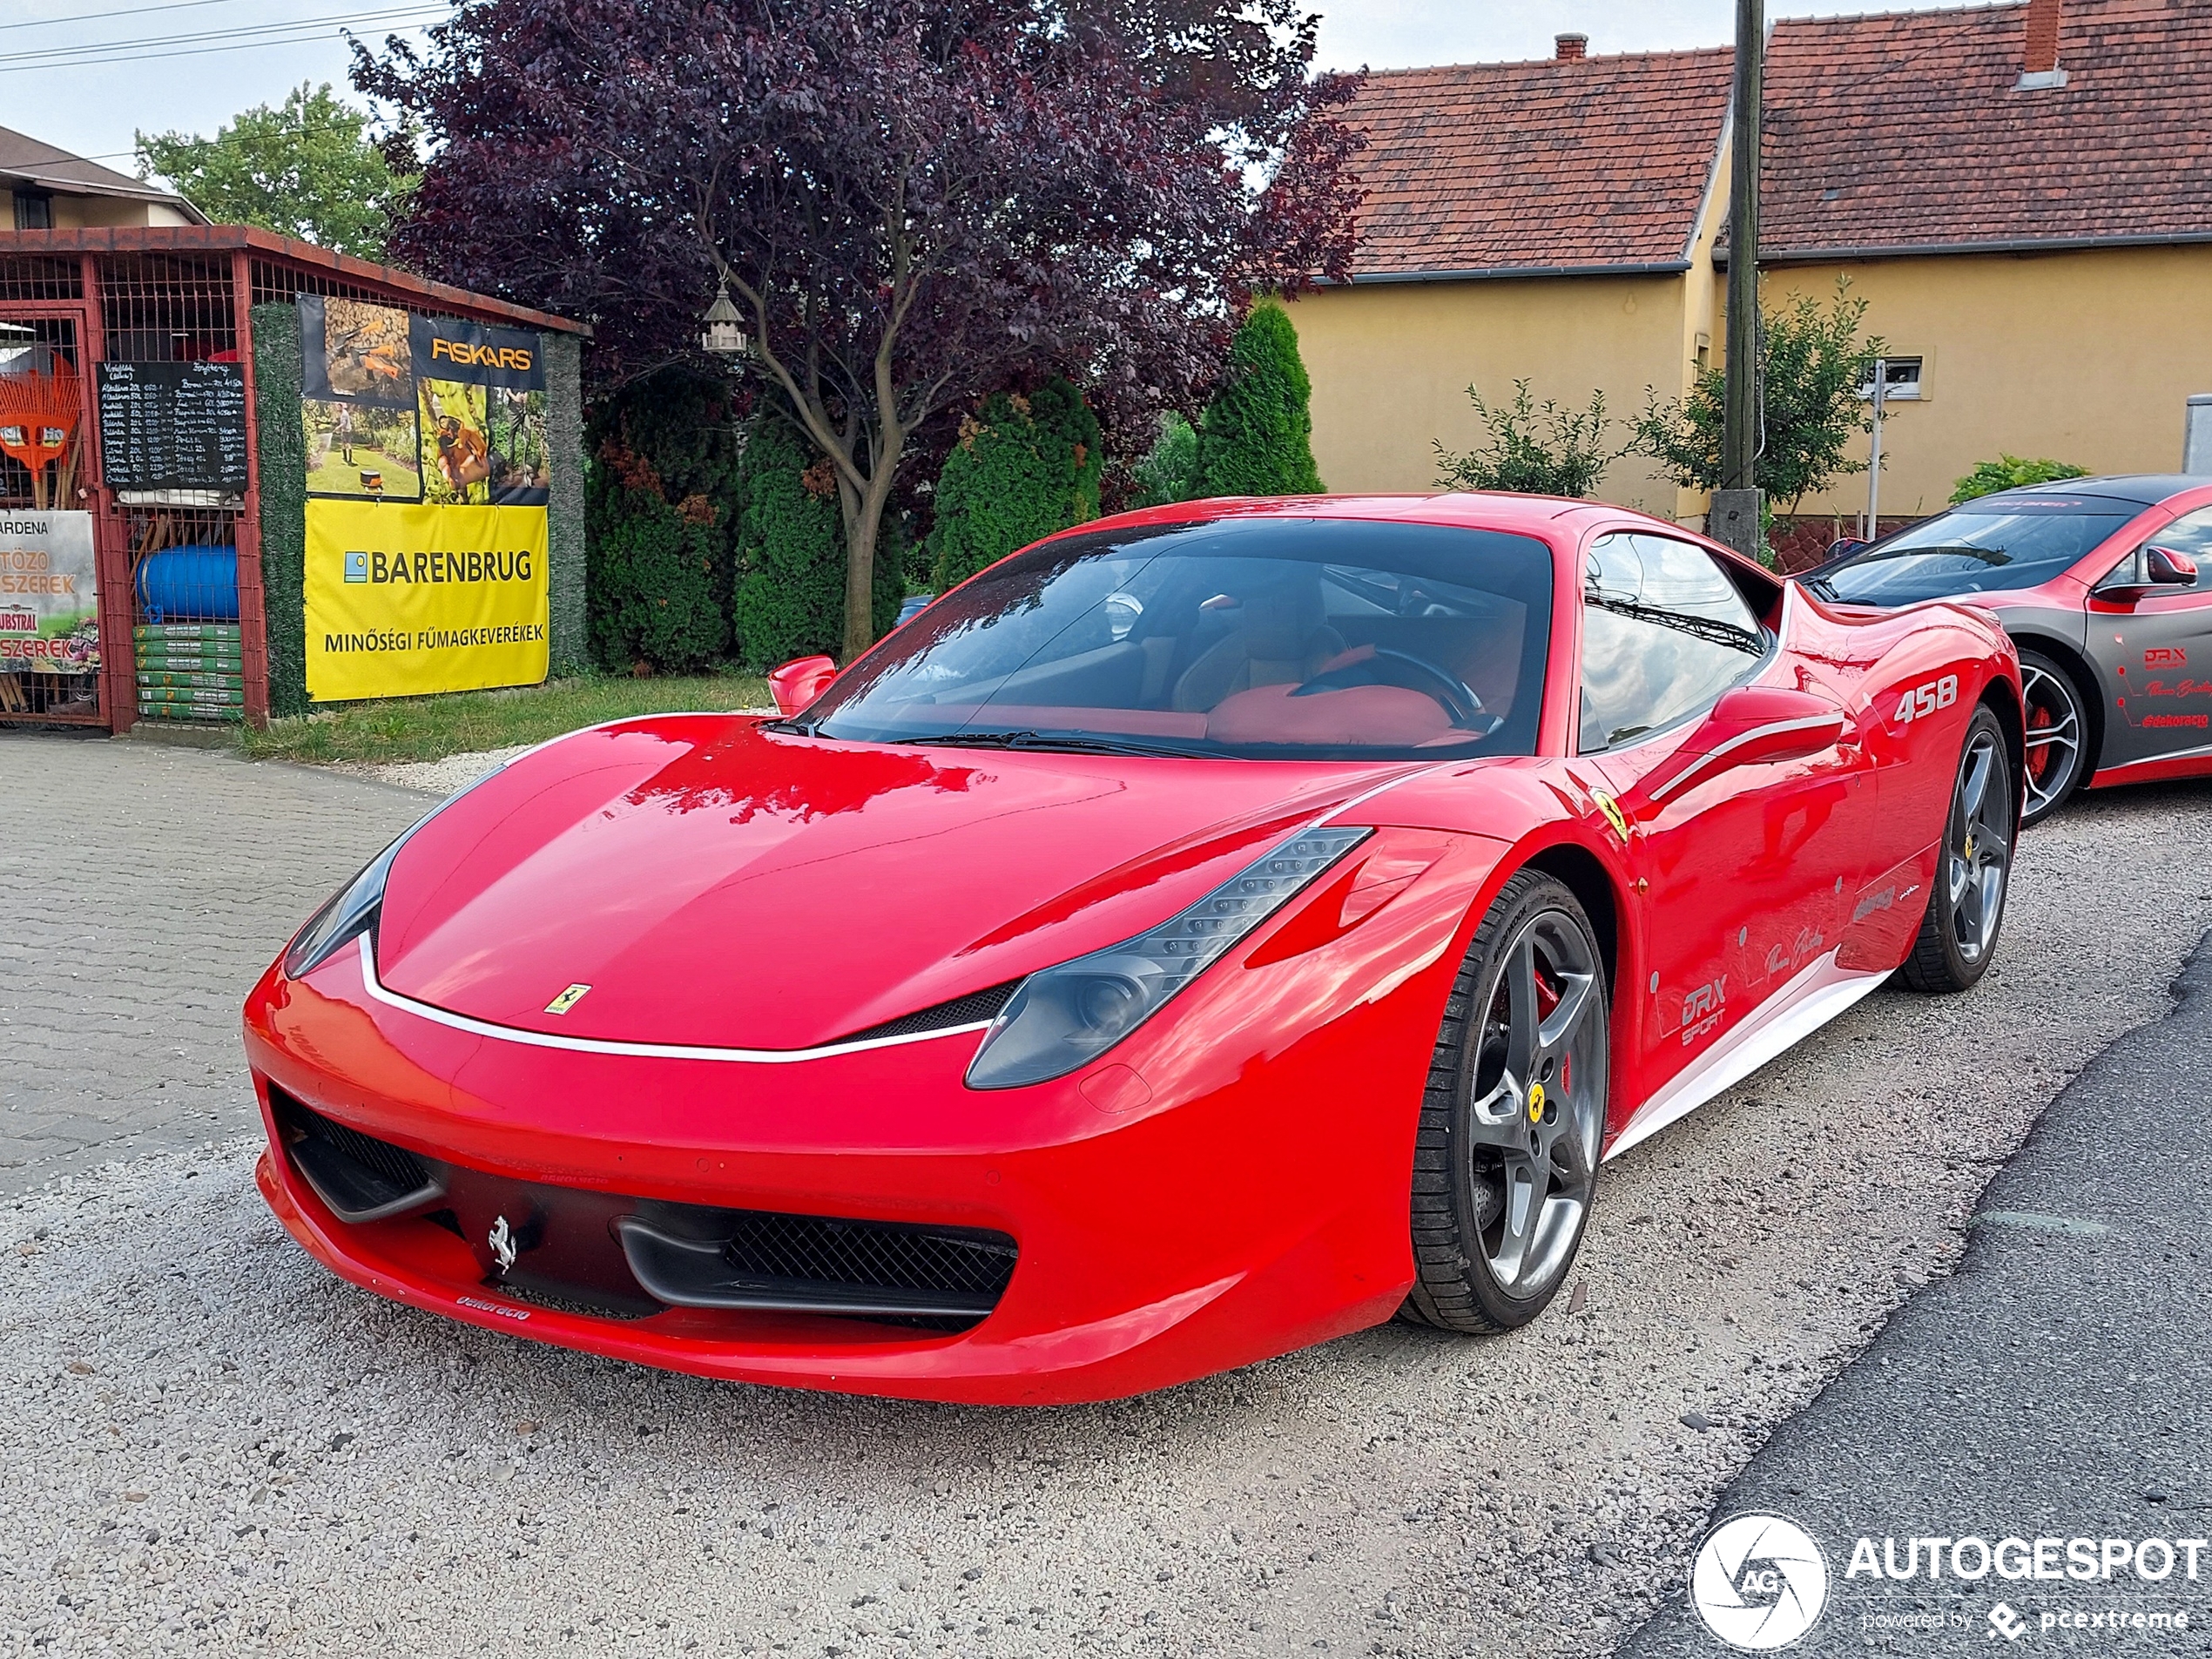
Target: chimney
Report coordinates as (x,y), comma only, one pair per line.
(1569,49)
(2040,61)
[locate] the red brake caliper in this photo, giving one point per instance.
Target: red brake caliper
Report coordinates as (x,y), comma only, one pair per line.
(2038,754)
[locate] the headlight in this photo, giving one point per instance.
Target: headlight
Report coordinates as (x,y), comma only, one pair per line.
(351,910)
(1065,1016)
(350,913)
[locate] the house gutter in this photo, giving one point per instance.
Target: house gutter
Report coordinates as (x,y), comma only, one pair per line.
(1769,258)
(1512,273)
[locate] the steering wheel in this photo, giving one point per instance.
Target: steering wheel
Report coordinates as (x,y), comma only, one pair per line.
(1383,666)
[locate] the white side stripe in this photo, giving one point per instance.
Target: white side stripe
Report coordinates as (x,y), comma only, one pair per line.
(1806,723)
(637,1050)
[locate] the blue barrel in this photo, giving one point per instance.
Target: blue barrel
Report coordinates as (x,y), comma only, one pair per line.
(189,584)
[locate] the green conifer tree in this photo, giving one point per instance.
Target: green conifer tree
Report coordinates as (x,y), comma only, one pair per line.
(1023,468)
(659,507)
(790,593)
(1257,438)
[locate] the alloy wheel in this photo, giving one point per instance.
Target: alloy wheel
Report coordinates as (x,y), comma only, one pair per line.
(1978,854)
(2054,732)
(1533,1135)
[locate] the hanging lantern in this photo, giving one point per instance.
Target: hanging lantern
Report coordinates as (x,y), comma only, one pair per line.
(724,334)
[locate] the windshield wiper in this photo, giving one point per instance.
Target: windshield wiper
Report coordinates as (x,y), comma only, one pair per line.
(1069,743)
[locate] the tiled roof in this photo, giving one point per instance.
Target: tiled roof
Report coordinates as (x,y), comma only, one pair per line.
(39,164)
(1905,130)
(1584,165)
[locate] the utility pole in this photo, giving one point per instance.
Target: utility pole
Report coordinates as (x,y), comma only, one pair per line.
(1736,504)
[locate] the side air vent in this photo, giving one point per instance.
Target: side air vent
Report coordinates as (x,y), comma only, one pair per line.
(359,1178)
(974,1008)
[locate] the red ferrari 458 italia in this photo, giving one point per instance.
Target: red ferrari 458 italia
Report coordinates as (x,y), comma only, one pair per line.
(1203,933)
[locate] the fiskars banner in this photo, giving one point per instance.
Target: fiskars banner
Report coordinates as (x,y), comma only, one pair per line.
(405,599)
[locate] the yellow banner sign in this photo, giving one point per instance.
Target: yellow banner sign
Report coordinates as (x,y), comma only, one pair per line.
(403,600)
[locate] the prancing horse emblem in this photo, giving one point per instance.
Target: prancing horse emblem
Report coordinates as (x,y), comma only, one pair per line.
(502,1241)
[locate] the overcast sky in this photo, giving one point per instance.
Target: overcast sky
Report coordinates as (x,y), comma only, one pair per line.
(191,64)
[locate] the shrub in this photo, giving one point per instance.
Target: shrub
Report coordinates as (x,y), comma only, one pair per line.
(1812,363)
(1023,468)
(1257,438)
(660,493)
(789,600)
(2009,472)
(1169,472)
(1566,458)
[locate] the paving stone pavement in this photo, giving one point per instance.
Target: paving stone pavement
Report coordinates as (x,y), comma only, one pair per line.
(143,888)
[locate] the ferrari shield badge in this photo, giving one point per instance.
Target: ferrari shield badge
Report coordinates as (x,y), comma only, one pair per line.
(567,999)
(1614,816)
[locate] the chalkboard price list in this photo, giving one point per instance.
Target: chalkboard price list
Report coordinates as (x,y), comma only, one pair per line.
(172,426)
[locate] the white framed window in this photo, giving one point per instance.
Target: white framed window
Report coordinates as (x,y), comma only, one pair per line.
(1900,380)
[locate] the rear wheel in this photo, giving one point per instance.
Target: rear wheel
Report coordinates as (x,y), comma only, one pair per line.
(2058,732)
(1967,900)
(1505,1165)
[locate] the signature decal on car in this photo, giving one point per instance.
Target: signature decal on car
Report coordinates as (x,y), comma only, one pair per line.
(1924,700)
(1807,944)
(567,999)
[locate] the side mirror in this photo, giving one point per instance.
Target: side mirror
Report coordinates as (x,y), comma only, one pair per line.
(2164,568)
(796,684)
(2152,567)
(1750,725)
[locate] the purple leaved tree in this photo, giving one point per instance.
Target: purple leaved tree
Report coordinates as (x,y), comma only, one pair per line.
(912,202)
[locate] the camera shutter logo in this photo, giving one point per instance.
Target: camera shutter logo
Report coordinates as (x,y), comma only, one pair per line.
(1759,1582)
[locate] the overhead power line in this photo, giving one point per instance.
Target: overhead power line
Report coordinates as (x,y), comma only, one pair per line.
(102,17)
(291,30)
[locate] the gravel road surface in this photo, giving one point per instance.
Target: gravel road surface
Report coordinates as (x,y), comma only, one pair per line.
(213,1444)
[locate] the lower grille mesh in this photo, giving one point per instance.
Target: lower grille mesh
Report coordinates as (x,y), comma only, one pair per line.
(870,1255)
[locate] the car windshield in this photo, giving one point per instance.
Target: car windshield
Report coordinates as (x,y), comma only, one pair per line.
(1287,638)
(1980,548)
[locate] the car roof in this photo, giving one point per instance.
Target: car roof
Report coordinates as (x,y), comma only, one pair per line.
(2140,489)
(1482,510)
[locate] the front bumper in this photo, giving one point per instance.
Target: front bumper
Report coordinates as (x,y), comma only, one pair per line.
(1252,1201)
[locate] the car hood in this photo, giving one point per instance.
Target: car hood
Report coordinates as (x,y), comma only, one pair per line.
(716,885)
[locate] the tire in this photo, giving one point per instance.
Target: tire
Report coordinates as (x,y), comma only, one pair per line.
(1973,871)
(2057,717)
(1502,1198)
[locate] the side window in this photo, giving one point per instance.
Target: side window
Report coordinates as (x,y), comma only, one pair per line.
(1664,633)
(2190,534)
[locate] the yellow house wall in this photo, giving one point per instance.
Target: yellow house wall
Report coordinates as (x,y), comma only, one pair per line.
(1391,363)
(2088,357)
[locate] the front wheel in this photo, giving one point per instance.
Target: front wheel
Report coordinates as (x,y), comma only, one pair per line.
(1505,1167)
(1967,900)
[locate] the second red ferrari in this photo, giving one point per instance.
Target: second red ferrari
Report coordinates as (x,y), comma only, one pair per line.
(1201,935)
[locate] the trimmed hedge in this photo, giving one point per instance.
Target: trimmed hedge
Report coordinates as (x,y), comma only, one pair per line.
(789,600)
(660,504)
(1023,468)
(1257,438)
